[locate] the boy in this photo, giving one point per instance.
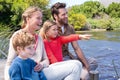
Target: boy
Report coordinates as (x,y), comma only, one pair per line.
(22,67)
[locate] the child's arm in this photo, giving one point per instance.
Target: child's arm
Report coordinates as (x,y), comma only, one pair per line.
(73,37)
(50,54)
(14,72)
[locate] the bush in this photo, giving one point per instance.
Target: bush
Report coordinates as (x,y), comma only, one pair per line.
(104,23)
(77,20)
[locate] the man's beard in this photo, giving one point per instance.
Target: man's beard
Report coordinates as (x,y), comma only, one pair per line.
(63,22)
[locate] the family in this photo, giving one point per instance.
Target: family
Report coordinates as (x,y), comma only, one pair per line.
(45,56)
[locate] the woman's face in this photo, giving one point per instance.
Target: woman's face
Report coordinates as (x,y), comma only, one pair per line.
(35,21)
(52,32)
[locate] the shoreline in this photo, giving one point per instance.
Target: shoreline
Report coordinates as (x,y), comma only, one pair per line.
(92,30)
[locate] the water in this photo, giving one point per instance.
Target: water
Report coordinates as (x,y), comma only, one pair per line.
(104,46)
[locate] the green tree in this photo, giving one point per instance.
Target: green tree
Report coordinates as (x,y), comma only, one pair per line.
(113,10)
(5,12)
(14,8)
(90,9)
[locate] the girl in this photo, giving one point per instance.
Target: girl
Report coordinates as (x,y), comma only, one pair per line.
(53,42)
(70,70)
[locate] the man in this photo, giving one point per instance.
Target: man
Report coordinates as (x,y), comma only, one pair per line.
(59,14)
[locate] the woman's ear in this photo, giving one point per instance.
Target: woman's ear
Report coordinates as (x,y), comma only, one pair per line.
(27,19)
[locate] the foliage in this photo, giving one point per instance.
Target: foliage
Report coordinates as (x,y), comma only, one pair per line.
(90,9)
(78,20)
(5,34)
(104,23)
(14,8)
(5,12)
(113,10)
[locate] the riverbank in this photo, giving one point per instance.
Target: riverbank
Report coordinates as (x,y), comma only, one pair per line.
(92,30)
(2,66)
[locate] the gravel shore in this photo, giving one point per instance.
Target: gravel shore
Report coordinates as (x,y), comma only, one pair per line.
(2,66)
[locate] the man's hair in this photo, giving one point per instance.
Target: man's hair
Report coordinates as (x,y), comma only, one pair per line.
(22,39)
(55,8)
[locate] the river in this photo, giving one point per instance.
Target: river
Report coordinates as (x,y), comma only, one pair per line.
(104,46)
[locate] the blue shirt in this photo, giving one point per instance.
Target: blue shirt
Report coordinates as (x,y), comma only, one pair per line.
(21,69)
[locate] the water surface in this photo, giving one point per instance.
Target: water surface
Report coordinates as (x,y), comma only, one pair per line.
(104,46)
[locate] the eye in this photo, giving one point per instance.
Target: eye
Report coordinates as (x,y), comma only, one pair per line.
(29,48)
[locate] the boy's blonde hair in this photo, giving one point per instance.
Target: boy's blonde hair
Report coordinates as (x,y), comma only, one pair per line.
(46,26)
(27,14)
(22,39)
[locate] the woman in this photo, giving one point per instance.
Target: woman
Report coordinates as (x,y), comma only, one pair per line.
(32,19)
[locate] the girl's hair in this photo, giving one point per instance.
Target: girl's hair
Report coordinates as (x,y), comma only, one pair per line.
(22,39)
(46,26)
(27,14)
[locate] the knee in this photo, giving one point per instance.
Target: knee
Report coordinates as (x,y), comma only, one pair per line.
(78,64)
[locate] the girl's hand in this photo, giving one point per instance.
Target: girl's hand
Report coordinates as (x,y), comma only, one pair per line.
(85,36)
(38,67)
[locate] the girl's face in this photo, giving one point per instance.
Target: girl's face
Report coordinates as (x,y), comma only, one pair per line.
(34,21)
(52,32)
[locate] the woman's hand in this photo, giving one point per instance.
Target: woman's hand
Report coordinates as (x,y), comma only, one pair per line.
(38,67)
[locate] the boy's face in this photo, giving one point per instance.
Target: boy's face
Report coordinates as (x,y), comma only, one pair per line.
(27,52)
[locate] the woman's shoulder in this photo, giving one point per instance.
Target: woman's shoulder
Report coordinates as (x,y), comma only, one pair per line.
(16,32)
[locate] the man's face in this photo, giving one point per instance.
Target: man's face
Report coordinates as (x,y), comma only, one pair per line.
(62,17)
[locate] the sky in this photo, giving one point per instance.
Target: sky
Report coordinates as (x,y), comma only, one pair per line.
(70,2)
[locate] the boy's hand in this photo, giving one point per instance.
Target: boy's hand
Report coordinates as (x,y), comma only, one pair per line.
(38,67)
(85,36)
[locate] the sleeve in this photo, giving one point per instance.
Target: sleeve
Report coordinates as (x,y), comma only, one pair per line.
(33,63)
(14,72)
(10,57)
(72,30)
(69,38)
(11,52)
(50,54)
(45,61)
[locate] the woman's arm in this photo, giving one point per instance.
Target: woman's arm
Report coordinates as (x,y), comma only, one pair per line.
(11,52)
(40,56)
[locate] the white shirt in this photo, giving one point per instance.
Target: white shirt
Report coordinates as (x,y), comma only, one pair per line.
(62,28)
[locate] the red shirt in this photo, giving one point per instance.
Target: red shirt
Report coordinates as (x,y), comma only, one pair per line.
(54,47)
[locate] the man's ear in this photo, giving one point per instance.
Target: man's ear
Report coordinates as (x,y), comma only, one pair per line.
(55,16)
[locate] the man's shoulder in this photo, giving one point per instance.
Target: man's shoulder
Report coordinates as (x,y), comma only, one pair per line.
(69,26)
(69,29)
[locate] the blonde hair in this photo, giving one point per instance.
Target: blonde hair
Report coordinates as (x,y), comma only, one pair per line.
(27,14)
(22,39)
(46,26)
